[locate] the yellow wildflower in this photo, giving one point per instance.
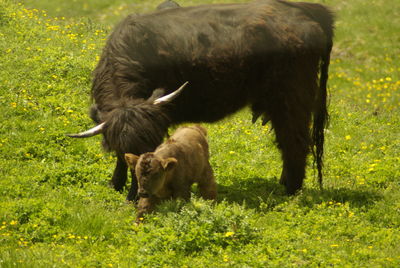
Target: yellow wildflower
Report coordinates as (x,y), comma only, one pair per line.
(229,234)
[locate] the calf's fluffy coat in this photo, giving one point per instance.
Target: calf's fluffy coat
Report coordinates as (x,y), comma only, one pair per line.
(172,168)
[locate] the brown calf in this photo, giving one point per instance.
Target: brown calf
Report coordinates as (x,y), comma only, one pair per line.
(172,168)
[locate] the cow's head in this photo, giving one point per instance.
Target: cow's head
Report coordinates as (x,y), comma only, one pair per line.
(151,172)
(101,128)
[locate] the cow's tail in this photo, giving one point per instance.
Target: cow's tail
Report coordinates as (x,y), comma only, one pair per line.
(321,117)
(325,18)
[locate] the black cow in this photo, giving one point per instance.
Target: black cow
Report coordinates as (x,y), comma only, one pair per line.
(272,55)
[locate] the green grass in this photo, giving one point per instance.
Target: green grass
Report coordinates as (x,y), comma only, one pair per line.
(56,208)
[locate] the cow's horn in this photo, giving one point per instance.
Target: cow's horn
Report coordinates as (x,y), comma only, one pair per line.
(89,133)
(171,96)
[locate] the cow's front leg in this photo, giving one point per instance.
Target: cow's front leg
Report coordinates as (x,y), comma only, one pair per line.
(283,178)
(120,175)
(133,191)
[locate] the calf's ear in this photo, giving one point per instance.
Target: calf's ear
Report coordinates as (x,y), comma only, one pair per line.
(169,163)
(131,160)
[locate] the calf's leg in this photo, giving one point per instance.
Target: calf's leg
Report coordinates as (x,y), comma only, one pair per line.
(181,190)
(207,185)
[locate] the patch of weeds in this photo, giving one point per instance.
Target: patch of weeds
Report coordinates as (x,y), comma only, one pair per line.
(199,226)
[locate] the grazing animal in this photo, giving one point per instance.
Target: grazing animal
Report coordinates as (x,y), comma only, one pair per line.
(172,168)
(271,55)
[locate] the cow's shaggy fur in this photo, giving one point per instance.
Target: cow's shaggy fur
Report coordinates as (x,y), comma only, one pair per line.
(272,55)
(172,168)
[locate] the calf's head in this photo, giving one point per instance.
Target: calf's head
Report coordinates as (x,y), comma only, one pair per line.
(151,172)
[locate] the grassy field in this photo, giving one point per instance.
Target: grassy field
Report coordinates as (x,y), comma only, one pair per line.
(56,209)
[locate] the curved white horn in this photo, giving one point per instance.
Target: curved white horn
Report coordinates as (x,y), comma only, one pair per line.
(89,133)
(171,96)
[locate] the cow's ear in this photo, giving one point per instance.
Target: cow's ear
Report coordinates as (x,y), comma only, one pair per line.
(169,163)
(131,160)
(171,96)
(157,93)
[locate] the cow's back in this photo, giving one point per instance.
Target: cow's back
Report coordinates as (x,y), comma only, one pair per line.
(217,33)
(222,50)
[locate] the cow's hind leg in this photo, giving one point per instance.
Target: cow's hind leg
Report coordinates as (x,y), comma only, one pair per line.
(290,104)
(292,136)
(290,110)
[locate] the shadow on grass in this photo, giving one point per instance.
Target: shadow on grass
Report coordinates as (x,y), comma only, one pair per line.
(267,193)
(253,192)
(355,197)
